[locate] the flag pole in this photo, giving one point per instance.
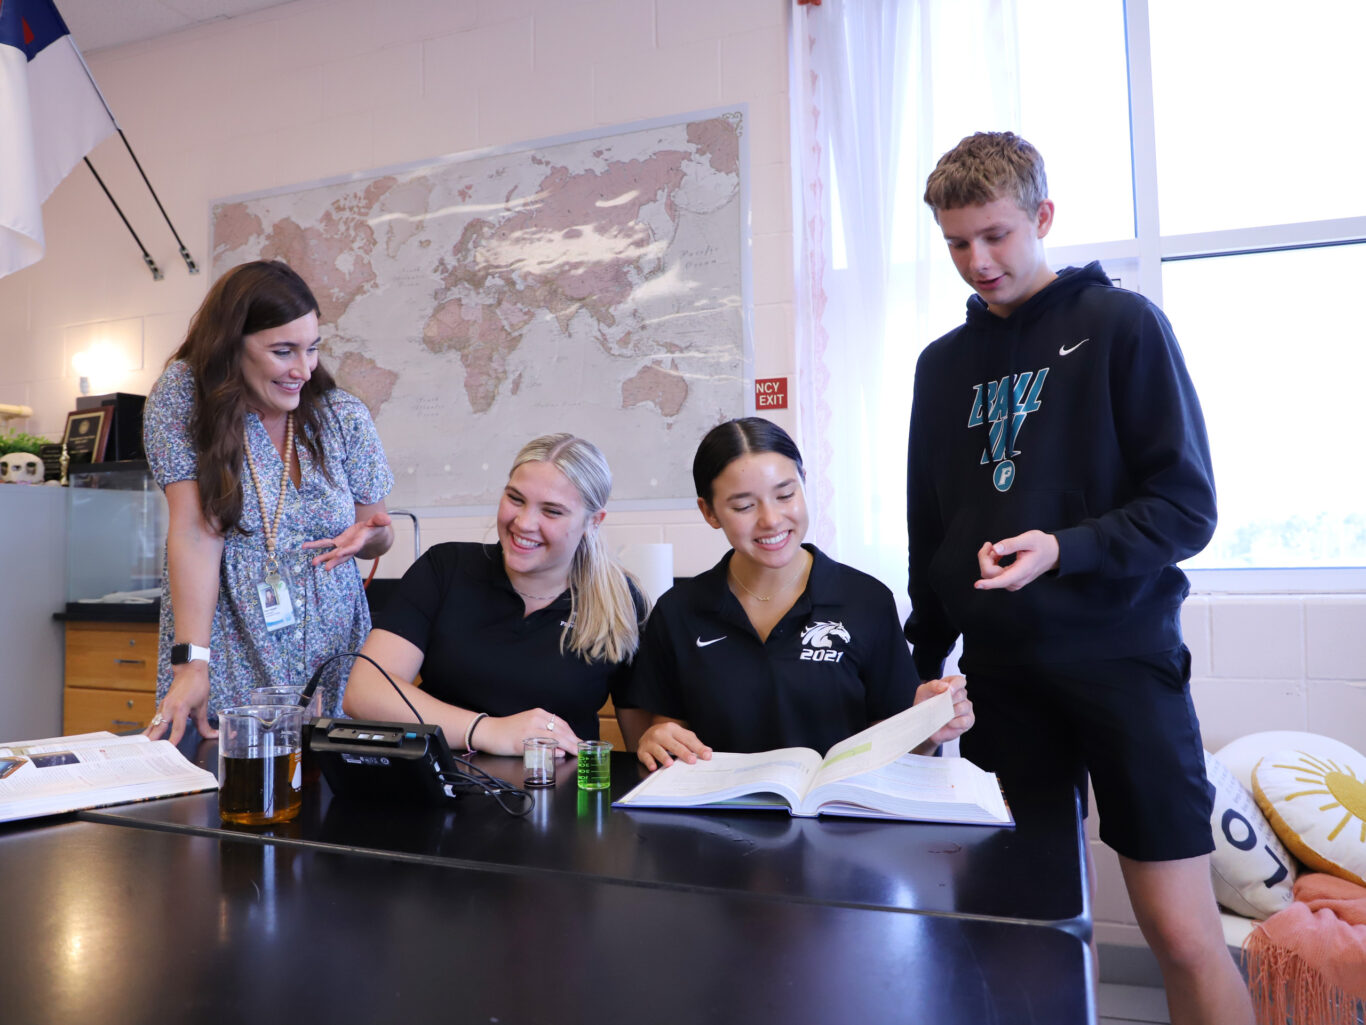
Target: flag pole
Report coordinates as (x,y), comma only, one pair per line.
(184,253)
(146,256)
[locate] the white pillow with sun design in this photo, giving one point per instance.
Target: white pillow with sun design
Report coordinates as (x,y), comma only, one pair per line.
(1242,755)
(1315,800)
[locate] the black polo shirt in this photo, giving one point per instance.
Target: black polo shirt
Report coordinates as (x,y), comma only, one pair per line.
(482,653)
(836,662)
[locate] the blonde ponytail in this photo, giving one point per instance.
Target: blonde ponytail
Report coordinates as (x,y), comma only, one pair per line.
(604,624)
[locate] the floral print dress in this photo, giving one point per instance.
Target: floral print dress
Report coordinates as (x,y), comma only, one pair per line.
(331,614)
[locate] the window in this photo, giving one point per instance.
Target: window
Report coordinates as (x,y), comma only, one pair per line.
(1202,152)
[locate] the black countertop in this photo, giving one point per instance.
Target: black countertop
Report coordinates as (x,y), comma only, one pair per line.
(117,925)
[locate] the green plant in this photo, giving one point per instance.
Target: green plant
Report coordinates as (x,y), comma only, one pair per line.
(17,441)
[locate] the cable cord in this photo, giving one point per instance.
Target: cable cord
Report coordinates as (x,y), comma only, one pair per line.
(468,774)
(306,695)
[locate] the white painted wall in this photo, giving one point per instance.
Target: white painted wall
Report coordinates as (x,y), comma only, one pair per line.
(320,88)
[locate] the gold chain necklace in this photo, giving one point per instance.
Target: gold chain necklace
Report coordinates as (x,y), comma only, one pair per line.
(272,529)
(536,597)
(781,587)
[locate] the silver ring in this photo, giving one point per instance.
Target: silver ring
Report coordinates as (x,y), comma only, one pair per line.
(550,726)
(158,719)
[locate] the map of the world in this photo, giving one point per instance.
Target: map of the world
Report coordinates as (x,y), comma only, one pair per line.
(592,285)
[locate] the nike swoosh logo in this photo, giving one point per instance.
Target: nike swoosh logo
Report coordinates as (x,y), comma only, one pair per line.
(702,644)
(1065,349)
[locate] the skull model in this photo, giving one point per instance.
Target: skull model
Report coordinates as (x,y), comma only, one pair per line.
(21,468)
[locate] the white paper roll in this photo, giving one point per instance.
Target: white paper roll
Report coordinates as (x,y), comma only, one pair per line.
(652,565)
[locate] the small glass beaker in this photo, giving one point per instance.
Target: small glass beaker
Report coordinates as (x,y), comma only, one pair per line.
(595,764)
(538,761)
(260,770)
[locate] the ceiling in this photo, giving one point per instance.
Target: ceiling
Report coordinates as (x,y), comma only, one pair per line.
(97,24)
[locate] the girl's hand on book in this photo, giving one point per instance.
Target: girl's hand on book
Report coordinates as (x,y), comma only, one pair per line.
(962,708)
(669,739)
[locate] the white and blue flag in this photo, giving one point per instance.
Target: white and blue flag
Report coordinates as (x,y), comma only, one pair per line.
(51,116)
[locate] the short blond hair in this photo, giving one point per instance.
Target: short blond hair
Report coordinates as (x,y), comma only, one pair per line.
(986,167)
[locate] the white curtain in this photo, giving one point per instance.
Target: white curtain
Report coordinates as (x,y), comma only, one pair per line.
(879,89)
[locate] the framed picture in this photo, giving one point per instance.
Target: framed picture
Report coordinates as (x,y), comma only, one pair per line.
(87,432)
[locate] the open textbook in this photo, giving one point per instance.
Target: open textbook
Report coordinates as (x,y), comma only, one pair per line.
(60,774)
(867,775)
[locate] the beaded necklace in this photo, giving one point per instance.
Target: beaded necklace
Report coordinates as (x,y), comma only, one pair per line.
(271,528)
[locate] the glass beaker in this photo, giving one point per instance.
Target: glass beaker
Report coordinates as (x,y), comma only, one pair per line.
(277,695)
(260,771)
(538,761)
(288,696)
(595,766)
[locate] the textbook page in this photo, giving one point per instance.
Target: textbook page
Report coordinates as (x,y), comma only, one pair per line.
(61,774)
(920,787)
(786,771)
(885,741)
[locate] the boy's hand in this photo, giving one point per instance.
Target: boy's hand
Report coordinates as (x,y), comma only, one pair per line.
(1035,554)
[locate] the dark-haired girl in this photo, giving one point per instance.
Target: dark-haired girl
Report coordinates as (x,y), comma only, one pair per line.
(777,645)
(275,481)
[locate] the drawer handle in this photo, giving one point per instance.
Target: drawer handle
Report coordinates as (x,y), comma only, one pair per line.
(128,722)
(130,661)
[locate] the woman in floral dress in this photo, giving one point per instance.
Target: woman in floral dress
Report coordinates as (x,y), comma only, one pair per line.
(275,482)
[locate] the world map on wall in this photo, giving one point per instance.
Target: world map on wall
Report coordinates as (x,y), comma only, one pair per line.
(590,285)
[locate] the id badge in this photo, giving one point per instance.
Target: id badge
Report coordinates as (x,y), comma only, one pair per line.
(276,605)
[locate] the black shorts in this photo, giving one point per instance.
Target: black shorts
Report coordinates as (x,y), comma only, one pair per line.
(1128,721)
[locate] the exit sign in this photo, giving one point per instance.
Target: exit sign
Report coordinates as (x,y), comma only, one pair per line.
(770,393)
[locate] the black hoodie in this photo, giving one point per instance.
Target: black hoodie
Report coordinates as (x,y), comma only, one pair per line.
(1109,454)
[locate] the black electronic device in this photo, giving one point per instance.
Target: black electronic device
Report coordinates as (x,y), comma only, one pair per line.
(396,761)
(390,761)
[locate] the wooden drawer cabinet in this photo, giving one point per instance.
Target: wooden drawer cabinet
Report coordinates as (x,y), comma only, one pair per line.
(87,710)
(111,677)
(122,656)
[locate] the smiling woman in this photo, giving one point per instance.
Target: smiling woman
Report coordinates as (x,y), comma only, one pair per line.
(275,480)
(521,639)
(777,645)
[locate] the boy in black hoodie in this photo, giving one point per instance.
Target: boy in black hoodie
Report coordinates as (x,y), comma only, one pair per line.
(1058,470)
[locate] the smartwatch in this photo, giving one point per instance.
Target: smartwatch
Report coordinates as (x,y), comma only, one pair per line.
(182,653)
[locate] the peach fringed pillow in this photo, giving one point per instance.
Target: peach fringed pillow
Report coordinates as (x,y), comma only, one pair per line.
(1314,796)
(1308,963)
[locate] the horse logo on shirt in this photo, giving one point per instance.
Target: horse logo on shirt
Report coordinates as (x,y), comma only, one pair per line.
(817,643)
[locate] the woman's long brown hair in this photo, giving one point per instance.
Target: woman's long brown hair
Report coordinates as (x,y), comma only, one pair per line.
(249,298)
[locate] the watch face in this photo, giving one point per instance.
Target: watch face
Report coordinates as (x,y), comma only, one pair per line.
(182,653)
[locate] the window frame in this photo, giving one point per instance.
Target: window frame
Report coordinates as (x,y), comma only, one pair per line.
(1137,263)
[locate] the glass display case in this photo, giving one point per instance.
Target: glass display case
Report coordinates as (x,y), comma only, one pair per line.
(116,533)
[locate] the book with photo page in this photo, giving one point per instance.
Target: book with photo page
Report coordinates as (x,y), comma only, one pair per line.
(868,775)
(92,770)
